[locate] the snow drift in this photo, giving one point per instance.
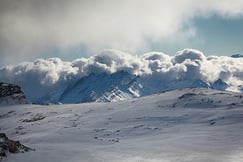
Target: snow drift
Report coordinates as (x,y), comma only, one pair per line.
(188,68)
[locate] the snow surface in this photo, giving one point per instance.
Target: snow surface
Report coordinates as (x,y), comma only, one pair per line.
(186,125)
(13,100)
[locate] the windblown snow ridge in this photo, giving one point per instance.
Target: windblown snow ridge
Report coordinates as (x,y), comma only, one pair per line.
(132,76)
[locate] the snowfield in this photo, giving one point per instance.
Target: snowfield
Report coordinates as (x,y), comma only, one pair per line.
(186,125)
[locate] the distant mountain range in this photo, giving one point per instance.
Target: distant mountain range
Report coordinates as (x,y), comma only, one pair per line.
(114,75)
(237,55)
(104,88)
(119,86)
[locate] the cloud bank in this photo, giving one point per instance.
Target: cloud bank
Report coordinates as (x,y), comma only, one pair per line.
(31,28)
(43,76)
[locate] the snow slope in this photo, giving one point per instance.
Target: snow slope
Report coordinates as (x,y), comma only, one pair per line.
(186,125)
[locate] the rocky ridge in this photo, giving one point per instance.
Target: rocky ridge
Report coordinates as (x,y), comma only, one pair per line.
(11,94)
(10,146)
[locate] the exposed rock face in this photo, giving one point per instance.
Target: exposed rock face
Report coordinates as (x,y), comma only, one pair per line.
(11,94)
(9,89)
(10,146)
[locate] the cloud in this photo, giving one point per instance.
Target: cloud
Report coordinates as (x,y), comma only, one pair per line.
(31,28)
(43,76)
(189,54)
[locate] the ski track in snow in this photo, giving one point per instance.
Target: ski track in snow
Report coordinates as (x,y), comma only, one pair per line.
(194,125)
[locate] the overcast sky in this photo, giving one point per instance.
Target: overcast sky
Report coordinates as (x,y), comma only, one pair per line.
(31,29)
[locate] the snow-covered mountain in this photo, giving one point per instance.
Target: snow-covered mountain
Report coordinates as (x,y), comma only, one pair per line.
(113,75)
(237,55)
(192,125)
(11,94)
(120,86)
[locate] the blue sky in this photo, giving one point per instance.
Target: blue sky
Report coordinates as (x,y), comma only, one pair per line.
(214,35)
(80,28)
(220,36)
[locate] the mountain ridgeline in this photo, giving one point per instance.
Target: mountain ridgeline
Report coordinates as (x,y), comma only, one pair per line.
(113,75)
(118,86)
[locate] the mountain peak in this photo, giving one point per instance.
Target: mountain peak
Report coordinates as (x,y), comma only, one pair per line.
(237,56)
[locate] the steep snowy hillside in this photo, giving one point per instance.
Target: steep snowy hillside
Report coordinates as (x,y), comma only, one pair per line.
(186,125)
(11,94)
(103,87)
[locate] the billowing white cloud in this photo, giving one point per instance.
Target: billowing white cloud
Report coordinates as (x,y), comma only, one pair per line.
(31,28)
(43,76)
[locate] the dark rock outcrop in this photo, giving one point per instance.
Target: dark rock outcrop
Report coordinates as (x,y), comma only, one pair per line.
(11,94)
(10,146)
(9,89)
